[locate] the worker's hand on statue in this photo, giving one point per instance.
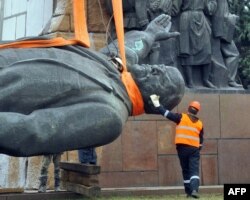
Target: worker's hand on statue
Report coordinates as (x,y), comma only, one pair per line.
(155,99)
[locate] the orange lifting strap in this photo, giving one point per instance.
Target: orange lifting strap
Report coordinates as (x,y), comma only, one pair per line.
(132,89)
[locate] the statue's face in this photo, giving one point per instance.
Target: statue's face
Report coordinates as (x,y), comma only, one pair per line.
(165,81)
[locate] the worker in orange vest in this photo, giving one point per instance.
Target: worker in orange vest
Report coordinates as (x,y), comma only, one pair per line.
(188,140)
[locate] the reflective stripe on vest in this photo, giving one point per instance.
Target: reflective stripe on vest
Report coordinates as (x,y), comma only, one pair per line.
(188,132)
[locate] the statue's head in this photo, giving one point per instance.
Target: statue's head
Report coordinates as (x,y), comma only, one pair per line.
(164,81)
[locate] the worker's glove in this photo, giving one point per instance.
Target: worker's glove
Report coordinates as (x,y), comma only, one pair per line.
(155,99)
(200,147)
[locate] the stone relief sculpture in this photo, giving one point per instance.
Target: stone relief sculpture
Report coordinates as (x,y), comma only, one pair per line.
(225,57)
(134,16)
(53,101)
(137,14)
(195,42)
(208,56)
(158,7)
(154,9)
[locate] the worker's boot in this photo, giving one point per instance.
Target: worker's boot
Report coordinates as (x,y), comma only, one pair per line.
(195,194)
(43,184)
(187,189)
(194,186)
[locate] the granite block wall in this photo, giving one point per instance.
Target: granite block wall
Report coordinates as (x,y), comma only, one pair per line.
(145,155)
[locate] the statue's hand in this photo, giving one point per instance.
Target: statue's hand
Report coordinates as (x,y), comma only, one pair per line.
(160,24)
(159,28)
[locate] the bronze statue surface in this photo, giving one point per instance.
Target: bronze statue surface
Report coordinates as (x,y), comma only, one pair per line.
(67,98)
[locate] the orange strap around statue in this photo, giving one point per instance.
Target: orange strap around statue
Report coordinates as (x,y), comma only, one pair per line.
(127,79)
(134,93)
(80,22)
(118,15)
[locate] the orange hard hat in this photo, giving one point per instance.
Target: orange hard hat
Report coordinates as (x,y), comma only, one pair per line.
(195,104)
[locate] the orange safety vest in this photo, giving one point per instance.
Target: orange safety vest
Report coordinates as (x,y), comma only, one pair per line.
(188,132)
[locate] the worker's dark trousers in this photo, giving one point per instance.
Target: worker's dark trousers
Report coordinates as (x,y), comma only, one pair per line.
(189,160)
(87,156)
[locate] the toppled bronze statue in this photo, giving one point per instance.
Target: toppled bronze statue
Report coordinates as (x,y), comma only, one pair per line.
(66,98)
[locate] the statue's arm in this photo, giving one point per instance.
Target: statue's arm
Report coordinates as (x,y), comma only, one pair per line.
(139,43)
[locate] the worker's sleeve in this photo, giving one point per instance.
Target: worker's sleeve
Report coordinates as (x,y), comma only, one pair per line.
(201,138)
(175,117)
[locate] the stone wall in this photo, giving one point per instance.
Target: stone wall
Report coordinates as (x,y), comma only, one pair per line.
(145,155)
